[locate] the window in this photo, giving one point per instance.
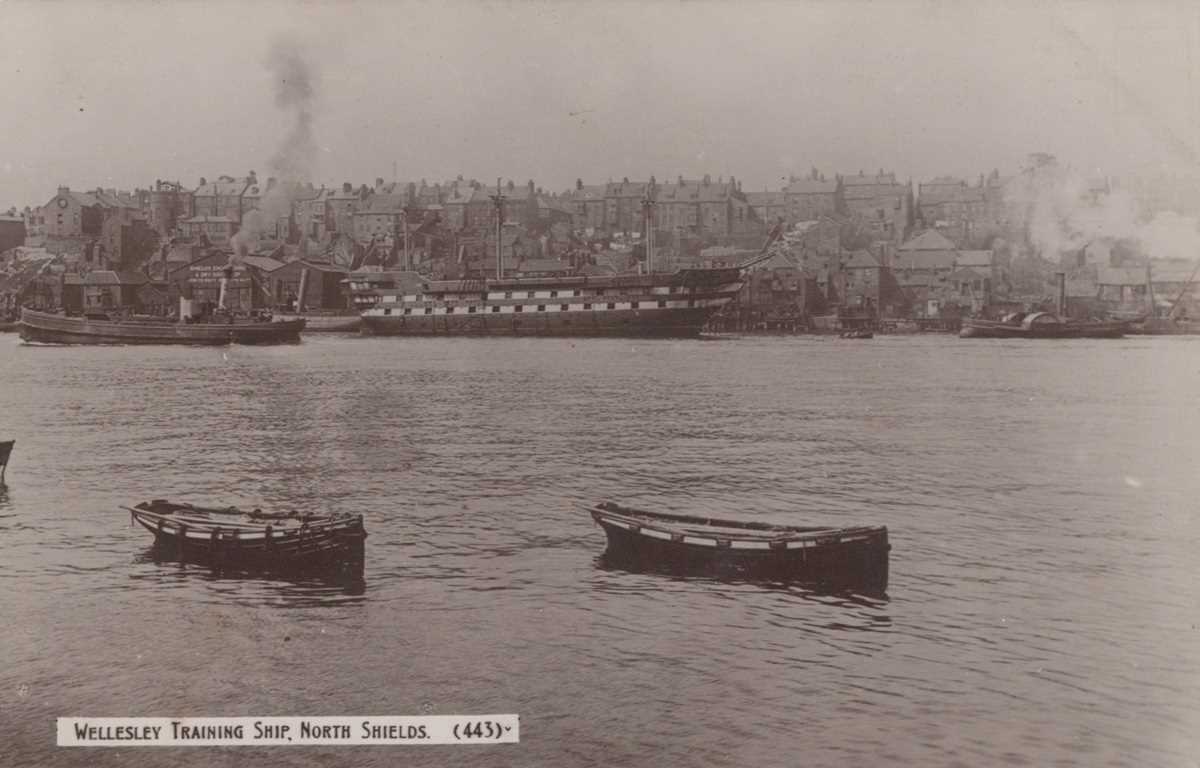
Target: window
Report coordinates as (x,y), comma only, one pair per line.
(529,295)
(611,305)
(691,303)
(449,310)
(495,308)
(662,304)
(389,311)
(554,294)
(429,310)
(633,304)
(508,294)
(541,308)
(519,308)
(471,310)
(587,306)
(564,307)
(407,310)
(576,293)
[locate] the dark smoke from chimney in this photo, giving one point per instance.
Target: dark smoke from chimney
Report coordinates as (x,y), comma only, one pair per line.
(294,83)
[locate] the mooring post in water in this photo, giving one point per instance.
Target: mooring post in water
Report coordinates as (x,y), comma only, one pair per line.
(1062,293)
(182,539)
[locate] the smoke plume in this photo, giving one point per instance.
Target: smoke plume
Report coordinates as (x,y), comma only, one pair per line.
(295,86)
(1064,212)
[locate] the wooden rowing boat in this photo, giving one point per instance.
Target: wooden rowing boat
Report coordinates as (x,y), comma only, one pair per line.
(845,557)
(232,538)
(6,447)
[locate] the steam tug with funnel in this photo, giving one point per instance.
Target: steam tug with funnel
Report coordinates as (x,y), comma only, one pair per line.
(673,305)
(216,328)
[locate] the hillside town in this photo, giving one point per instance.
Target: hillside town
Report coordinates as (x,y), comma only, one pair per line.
(856,249)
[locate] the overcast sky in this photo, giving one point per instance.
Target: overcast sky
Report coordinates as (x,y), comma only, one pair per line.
(120,94)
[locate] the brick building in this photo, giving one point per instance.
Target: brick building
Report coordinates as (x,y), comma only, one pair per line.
(170,204)
(880,202)
(810,199)
(223,197)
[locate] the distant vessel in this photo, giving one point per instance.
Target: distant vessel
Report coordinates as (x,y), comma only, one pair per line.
(1041,325)
(676,304)
(670,305)
(99,328)
(218,327)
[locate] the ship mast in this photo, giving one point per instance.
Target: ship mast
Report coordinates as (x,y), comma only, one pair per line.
(648,217)
(498,201)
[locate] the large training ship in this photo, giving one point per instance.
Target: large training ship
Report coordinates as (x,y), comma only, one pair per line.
(676,304)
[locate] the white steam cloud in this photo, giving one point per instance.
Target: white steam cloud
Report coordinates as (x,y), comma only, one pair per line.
(1064,212)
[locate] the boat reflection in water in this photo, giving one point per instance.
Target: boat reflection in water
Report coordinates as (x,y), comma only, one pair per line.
(328,586)
(825,558)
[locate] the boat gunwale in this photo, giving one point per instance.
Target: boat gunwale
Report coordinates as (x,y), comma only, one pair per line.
(675,525)
(193,528)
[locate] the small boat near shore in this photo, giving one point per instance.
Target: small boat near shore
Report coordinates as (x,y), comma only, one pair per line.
(237,539)
(1041,325)
(855,557)
(102,328)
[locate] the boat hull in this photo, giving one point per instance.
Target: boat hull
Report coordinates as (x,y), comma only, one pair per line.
(50,328)
(852,558)
(326,323)
(984,329)
(324,544)
(648,323)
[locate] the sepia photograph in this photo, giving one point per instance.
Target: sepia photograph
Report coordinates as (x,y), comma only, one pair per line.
(642,383)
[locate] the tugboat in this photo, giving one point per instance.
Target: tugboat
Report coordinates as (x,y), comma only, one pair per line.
(1040,325)
(1043,325)
(101,327)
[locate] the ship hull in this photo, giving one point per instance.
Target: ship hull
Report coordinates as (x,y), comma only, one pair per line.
(49,328)
(676,305)
(983,329)
(639,323)
(315,323)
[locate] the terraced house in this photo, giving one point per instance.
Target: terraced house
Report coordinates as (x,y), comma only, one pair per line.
(881,202)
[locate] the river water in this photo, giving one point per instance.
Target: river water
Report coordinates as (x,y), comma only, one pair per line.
(1041,499)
